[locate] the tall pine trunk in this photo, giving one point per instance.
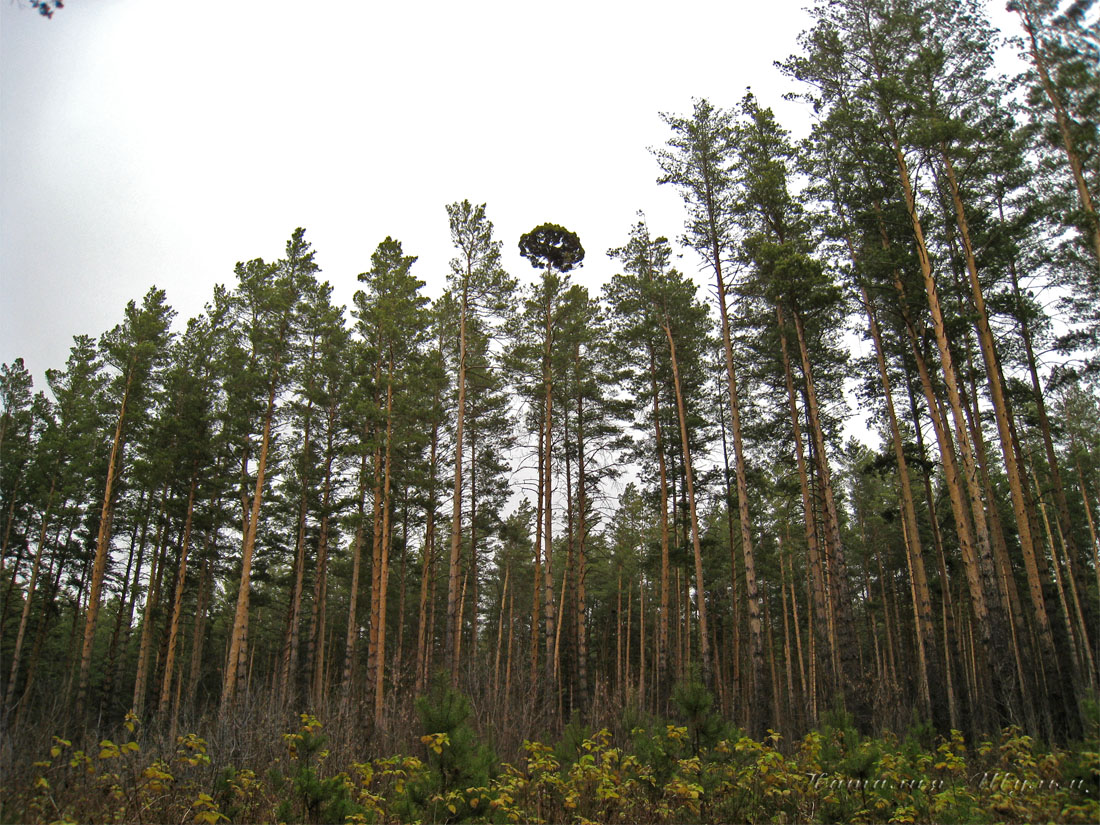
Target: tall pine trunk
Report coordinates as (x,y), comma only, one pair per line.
(236,670)
(102,547)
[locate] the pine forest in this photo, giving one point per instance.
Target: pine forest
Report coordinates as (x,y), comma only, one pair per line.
(537,549)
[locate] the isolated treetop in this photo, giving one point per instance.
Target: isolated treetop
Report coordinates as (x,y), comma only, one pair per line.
(552,246)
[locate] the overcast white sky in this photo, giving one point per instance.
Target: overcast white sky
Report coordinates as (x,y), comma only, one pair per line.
(160,142)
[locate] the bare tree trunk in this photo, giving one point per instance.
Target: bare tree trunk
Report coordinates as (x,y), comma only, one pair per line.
(353,594)
(826,641)
(24,617)
(550,665)
(854,690)
(1012,469)
(423,641)
(977,555)
(384,579)
(449,652)
(929,660)
(152,606)
(177,602)
(102,546)
(758,682)
(662,627)
(236,666)
(536,589)
(700,591)
(582,529)
(500,633)
(319,667)
(289,668)
(198,636)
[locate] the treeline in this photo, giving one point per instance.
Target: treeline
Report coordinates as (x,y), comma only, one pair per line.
(283,503)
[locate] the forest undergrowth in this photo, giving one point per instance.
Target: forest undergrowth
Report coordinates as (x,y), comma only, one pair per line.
(445,762)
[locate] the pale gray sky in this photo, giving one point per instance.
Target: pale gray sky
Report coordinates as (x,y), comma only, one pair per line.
(160,142)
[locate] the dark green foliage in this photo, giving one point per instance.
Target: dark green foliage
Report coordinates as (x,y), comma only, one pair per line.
(305,795)
(695,706)
(552,246)
(458,762)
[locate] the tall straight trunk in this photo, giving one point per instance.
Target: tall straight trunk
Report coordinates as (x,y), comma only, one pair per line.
(562,590)
(805,685)
(619,635)
(1053,463)
(102,547)
(10,521)
(32,583)
(662,626)
(826,640)
(568,582)
(550,665)
(680,664)
(929,659)
(79,603)
(177,601)
(700,591)
(890,668)
(788,665)
(536,589)
(236,669)
(991,628)
(131,583)
(473,568)
(198,631)
(752,597)
(628,689)
(289,663)
(461,607)
(950,645)
(152,606)
(1080,635)
(500,632)
(449,653)
(423,641)
(735,612)
(1003,566)
(384,578)
(353,595)
(19,705)
(508,661)
(318,667)
(1001,414)
(976,550)
(379,507)
(399,654)
(582,529)
(854,691)
(641,644)
(775,691)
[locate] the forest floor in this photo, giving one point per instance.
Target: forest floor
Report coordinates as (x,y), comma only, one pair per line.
(693,769)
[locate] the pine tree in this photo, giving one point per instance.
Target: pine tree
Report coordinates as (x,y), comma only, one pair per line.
(265,301)
(135,349)
(698,160)
(480,288)
(392,316)
(556,251)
